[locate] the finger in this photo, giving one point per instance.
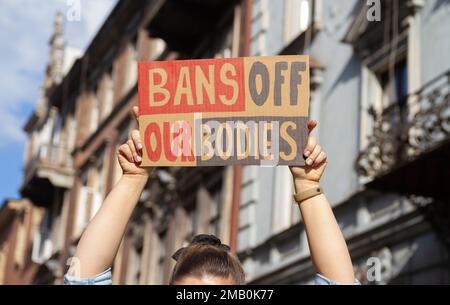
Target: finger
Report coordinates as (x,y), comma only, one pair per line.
(317,150)
(136,157)
(125,151)
(322,157)
(311,125)
(136,114)
(310,146)
(136,137)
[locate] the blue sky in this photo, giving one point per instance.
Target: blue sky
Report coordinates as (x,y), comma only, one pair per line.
(25,29)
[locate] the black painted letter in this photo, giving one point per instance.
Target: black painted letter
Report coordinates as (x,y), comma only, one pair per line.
(258,68)
(296,79)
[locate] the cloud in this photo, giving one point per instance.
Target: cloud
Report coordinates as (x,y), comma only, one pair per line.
(25,29)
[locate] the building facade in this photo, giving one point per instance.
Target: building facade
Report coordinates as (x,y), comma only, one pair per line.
(19,220)
(380,94)
(84,114)
(379,89)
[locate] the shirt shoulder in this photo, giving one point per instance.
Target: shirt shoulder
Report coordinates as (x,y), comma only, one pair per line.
(322,280)
(104,278)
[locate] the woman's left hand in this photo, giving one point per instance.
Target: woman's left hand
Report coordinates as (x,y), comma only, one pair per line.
(309,175)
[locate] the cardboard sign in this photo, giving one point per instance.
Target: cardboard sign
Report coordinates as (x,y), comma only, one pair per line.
(215,112)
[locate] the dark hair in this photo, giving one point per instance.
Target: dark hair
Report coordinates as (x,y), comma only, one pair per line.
(206,255)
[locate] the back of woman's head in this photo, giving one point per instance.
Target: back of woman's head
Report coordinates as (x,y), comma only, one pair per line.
(207,260)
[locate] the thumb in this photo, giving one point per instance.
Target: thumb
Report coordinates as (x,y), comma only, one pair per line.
(136,113)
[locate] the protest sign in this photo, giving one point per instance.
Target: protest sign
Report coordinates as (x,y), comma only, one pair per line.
(214,112)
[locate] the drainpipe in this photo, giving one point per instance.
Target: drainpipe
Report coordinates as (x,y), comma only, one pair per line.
(246,28)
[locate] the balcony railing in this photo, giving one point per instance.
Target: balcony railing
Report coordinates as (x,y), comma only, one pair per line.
(52,155)
(403,131)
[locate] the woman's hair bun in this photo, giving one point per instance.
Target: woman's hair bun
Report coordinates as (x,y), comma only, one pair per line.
(203,239)
(207,239)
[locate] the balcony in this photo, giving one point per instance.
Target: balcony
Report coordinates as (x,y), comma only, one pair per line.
(50,168)
(409,149)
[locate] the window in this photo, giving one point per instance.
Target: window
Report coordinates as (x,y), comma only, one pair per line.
(153,270)
(105,94)
(161,257)
(48,219)
(382,88)
(225,46)
(44,138)
(284,211)
(247,213)
(246,226)
(57,149)
(395,86)
(260,26)
(94,111)
(55,231)
(100,171)
(71,125)
(297,18)
(88,203)
(125,71)
(57,129)
(390,67)
(132,61)
(135,263)
(215,210)
(42,243)
(123,136)
(191,224)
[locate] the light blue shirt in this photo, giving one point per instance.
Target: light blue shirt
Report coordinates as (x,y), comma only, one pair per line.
(105,278)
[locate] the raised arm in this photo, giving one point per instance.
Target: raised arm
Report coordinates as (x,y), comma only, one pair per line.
(327,245)
(100,241)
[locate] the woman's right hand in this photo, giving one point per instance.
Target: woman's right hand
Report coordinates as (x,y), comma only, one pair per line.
(129,154)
